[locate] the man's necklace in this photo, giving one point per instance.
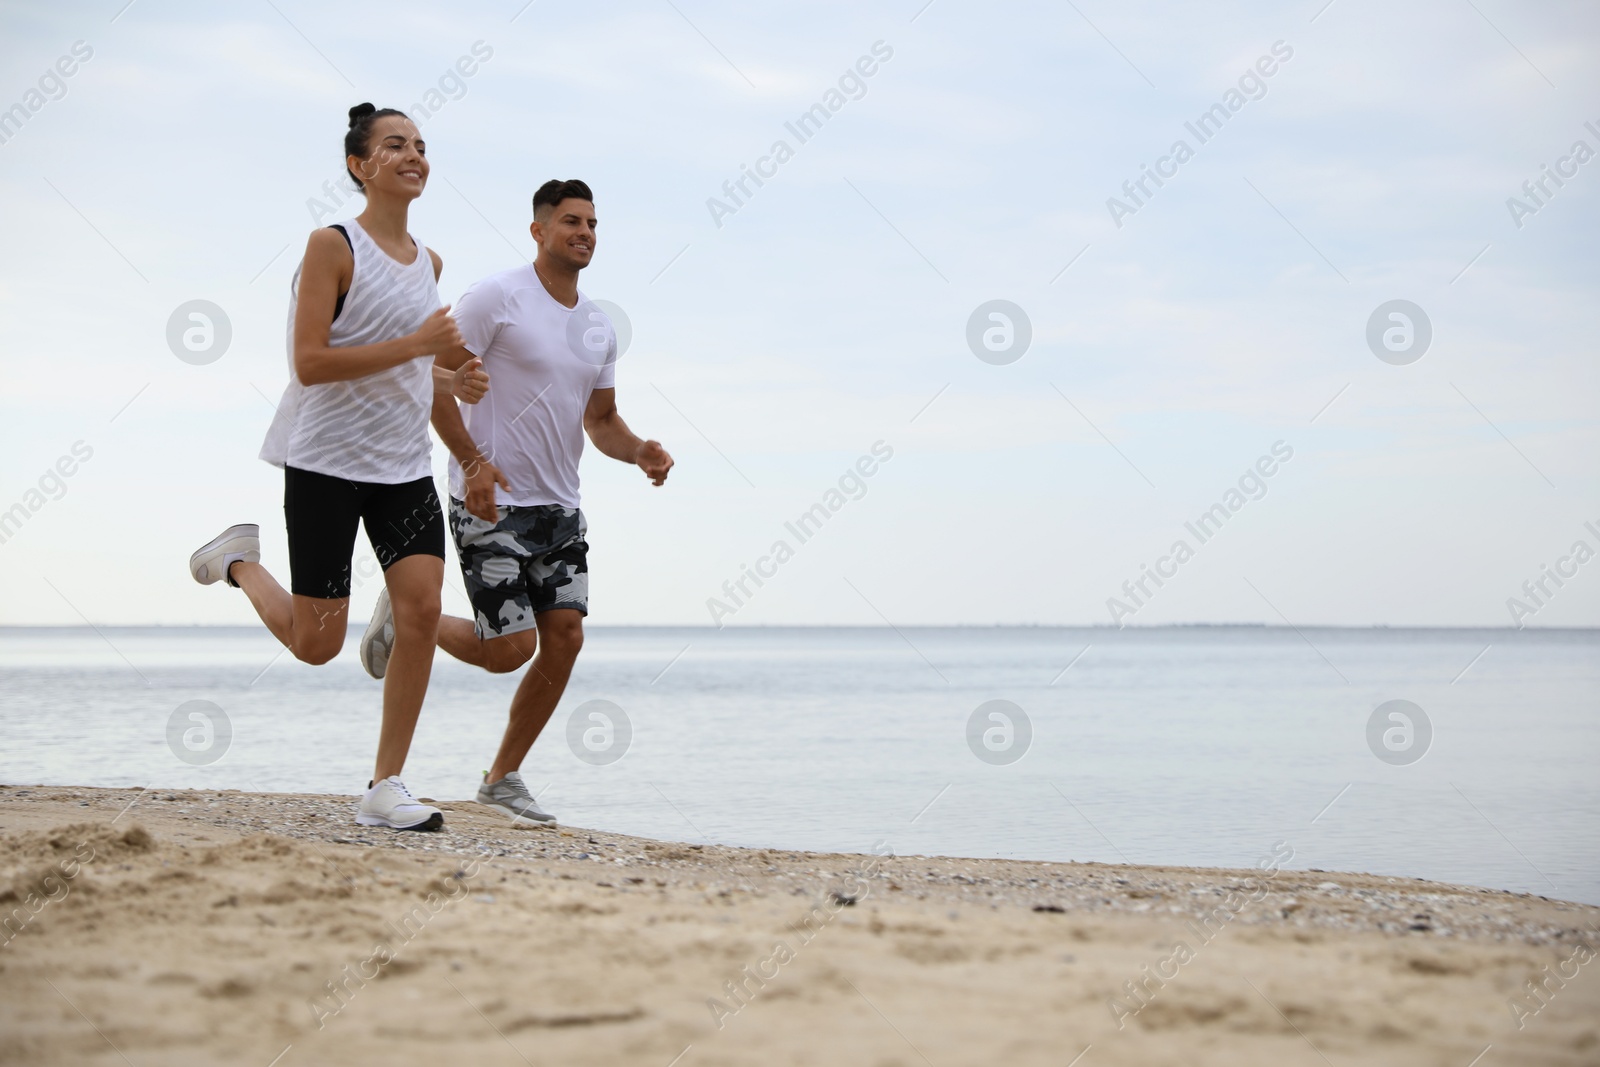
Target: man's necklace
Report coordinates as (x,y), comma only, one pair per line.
(547,286)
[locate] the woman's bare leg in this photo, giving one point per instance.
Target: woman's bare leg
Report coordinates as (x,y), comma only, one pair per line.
(310,627)
(414,583)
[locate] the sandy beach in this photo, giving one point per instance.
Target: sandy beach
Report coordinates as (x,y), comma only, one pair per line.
(189,927)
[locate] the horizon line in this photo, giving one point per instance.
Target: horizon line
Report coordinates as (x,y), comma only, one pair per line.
(1104,627)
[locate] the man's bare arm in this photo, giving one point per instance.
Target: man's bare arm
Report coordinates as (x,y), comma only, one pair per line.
(611,435)
(466,380)
(481,475)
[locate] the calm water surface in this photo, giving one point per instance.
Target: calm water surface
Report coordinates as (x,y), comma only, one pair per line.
(1196,746)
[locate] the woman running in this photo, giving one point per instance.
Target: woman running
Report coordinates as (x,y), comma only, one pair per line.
(351,435)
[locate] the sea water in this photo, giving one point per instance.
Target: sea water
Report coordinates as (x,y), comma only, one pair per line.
(1200,746)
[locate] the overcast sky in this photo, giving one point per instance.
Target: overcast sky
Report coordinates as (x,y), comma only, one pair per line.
(1178,336)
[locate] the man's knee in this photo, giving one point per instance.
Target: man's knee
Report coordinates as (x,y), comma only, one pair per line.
(506,662)
(509,653)
(563,637)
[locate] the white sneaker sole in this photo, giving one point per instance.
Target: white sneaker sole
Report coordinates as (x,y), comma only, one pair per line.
(372,639)
(241,540)
(431,822)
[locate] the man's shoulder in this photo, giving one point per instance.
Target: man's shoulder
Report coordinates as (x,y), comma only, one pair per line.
(505,283)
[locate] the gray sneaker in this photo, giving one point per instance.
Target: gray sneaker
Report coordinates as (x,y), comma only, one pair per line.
(377,643)
(511,796)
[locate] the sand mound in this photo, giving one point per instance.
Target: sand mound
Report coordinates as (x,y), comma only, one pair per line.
(49,865)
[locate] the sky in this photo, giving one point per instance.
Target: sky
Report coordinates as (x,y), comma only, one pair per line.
(1183,339)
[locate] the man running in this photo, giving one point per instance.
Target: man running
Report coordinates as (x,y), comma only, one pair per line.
(551,356)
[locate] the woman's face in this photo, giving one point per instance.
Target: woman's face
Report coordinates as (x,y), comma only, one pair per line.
(396,163)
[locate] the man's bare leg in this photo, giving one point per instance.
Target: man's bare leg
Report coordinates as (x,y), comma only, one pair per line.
(497,655)
(560,639)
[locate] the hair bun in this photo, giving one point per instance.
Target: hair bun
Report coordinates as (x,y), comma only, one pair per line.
(360,111)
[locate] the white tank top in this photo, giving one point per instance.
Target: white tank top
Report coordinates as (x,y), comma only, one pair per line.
(371,429)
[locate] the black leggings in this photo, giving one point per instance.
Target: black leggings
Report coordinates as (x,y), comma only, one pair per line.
(322,512)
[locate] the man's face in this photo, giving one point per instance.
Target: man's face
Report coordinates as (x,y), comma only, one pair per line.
(566,232)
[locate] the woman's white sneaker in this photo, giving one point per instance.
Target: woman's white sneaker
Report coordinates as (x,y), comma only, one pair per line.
(389,803)
(236,544)
(377,643)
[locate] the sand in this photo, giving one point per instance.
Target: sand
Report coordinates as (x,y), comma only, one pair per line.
(179,928)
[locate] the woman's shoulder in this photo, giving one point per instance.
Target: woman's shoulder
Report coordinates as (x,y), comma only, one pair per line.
(328,241)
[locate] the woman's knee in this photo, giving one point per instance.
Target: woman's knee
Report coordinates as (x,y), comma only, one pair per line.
(318,650)
(413,583)
(415,604)
(416,610)
(319,629)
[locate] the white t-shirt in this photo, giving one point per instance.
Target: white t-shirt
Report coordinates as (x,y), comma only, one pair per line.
(543,361)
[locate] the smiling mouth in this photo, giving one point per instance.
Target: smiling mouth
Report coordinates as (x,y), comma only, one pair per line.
(413,174)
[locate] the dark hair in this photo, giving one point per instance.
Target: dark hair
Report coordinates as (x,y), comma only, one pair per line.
(358,138)
(553,192)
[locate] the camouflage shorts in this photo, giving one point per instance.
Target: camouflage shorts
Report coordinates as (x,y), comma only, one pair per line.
(532,560)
